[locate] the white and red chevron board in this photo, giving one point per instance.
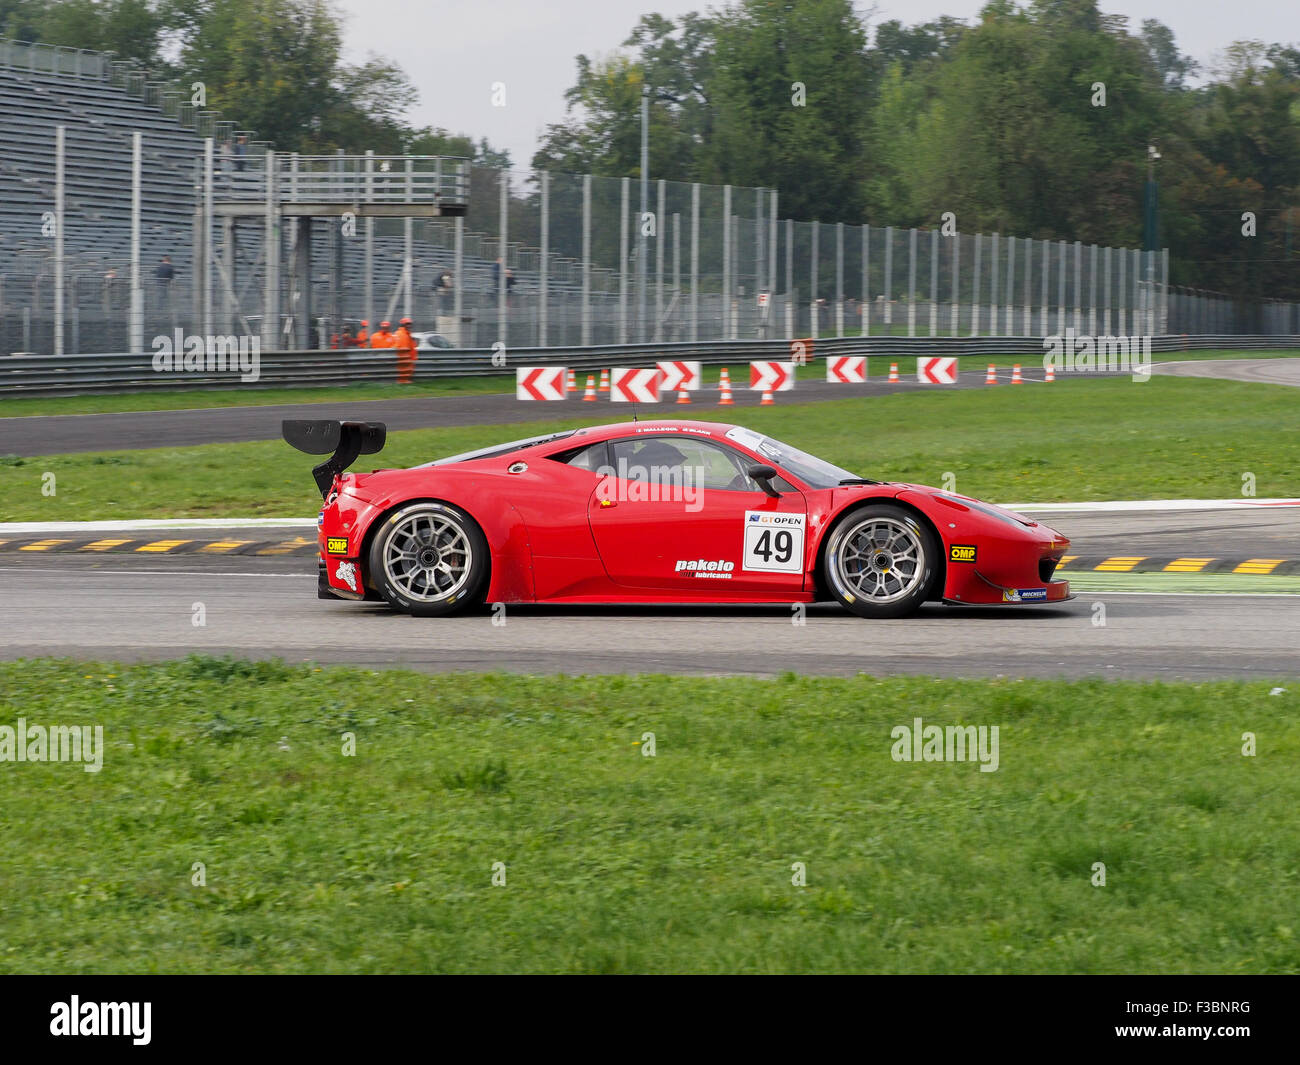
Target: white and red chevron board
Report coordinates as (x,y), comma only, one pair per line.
(771,376)
(634,386)
(680,376)
(846,369)
(936,371)
(539,382)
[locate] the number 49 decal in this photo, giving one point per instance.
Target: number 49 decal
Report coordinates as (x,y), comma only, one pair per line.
(773,541)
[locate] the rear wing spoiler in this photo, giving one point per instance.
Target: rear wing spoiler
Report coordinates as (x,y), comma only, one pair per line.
(346,441)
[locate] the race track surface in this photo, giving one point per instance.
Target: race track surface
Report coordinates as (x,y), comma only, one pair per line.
(65,433)
(135,607)
(1258,371)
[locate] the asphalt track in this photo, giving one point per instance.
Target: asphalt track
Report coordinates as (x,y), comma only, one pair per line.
(136,607)
(67,433)
(60,434)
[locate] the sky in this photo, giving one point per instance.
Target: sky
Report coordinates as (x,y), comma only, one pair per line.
(455,50)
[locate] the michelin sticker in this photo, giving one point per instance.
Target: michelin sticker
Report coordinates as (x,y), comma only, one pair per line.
(347,573)
(1023,595)
(773,541)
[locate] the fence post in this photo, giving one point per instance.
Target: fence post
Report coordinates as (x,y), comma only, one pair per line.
(59,135)
(368,311)
(544,280)
(659,261)
(695,261)
(934,282)
(1164,292)
(1078,286)
(889,280)
(1060,290)
(866,280)
(812,298)
(1045,311)
(975,290)
(1092,292)
(789,279)
(839,279)
(1121,294)
(911,282)
(207,236)
(622,263)
(994,244)
(956,290)
(135,314)
(271,292)
(1027,312)
(1010,317)
(726,262)
(586,259)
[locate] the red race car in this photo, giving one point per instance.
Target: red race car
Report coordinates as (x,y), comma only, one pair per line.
(658,512)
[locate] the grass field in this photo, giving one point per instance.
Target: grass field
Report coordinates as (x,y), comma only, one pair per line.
(11,407)
(1101,438)
(616,862)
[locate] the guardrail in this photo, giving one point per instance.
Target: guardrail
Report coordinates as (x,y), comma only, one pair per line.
(70,375)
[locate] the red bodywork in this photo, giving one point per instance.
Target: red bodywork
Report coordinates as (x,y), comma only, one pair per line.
(562,534)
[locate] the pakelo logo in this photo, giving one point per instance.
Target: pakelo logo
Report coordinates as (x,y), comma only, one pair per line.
(961,553)
(718,569)
(102,1018)
(336,545)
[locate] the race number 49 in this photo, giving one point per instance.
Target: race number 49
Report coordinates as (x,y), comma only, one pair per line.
(773,541)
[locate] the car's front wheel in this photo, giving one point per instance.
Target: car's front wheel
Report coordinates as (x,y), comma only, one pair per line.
(428,559)
(881,562)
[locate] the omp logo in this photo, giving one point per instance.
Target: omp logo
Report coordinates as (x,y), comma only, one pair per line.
(336,545)
(962,553)
(102,1018)
(719,569)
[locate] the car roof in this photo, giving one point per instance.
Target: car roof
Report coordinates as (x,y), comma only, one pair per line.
(608,432)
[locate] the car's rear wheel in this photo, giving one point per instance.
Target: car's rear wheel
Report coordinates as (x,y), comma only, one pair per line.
(881,562)
(428,559)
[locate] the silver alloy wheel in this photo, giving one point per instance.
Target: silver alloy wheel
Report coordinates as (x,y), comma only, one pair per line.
(428,556)
(880,560)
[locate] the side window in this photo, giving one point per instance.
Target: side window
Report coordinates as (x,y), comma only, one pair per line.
(592,457)
(679,460)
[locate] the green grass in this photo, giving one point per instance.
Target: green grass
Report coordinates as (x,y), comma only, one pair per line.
(615,862)
(1079,439)
(159,399)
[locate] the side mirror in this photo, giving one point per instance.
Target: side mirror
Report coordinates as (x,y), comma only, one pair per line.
(763,475)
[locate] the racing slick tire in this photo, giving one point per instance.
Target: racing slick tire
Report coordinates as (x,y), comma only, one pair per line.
(881,561)
(428,559)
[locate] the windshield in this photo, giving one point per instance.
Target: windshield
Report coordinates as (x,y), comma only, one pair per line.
(815,472)
(501,449)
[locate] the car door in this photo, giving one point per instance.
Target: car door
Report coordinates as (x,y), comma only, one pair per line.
(677,512)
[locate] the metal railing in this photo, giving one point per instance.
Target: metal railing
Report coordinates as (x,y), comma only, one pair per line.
(347,179)
(41,375)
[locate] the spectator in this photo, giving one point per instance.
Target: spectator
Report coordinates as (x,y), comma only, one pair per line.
(404,344)
(346,340)
(164,272)
(241,150)
(110,289)
(382,337)
(362,338)
(442,287)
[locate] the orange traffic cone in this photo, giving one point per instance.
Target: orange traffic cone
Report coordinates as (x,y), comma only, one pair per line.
(571,382)
(683,396)
(767,399)
(991,378)
(1015,375)
(893,373)
(1049,373)
(604,380)
(589,396)
(724,388)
